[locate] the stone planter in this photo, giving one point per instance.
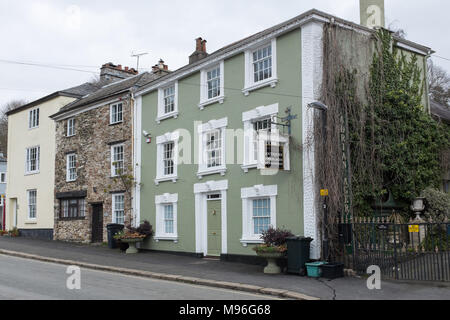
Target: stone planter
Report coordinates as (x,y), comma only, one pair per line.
(272,267)
(132,243)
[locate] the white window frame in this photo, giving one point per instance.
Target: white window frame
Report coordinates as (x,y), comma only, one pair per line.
(203,130)
(162,115)
(255,193)
(29,205)
(28,161)
(33,118)
(114,115)
(113,166)
(114,209)
(204,100)
(250,83)
(249,118)
(3,177)
(160,142)
(161,201)
(69,168)
(71,127)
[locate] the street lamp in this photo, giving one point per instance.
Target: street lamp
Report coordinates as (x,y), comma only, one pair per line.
(325,242)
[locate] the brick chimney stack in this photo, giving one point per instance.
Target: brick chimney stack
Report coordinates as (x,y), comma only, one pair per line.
(200,51)
(110,72)
(160,68)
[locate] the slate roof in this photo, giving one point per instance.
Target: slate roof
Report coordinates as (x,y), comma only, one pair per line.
(243,42)
(74,92)
(109,90)
(440,111)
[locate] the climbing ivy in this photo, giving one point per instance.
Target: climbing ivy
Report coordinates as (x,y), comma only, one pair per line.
(404,144)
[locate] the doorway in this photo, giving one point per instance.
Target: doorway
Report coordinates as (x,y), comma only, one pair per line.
(97,223)
(214,221)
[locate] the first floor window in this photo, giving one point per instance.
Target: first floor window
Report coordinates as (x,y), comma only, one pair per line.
(214,149)
(118,208)
(71,167)
(168,219)
(72,208)
(117,160)
(261,215)
(32,199)
(116,113)
(32,164)
(169,99)
(168,158)
(71,127)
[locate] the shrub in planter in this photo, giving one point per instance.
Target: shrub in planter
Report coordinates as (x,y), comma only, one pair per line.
(133,235)
(14,233)
(274,247)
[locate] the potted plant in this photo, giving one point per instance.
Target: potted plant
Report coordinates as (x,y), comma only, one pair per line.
(274,248)
(132,235)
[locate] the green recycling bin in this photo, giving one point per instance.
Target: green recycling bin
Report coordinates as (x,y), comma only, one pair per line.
(298,254)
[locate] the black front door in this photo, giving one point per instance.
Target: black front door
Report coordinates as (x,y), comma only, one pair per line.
(97,223)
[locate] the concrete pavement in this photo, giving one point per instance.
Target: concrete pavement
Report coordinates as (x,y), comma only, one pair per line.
(341,289)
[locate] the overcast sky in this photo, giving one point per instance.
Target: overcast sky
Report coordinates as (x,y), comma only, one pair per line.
(85,34)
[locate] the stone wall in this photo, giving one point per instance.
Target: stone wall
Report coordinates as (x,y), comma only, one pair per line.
(92,146)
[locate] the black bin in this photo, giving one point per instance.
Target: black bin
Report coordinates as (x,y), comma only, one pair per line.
(298,254)
(332,270)
(113,229)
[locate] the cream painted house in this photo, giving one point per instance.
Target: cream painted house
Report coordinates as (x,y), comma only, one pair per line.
(31,165)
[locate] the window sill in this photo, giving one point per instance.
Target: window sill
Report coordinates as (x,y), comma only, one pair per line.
(222,172)
(246,242)
(71,136)
(167,116)
(205,103)
(163,238)
(32,173)
(115,123)
(71,219)
(247,167)
(31,222)
(265,83)
(174,179)
(70,181)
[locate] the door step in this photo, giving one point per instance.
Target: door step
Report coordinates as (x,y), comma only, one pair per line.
(212,258)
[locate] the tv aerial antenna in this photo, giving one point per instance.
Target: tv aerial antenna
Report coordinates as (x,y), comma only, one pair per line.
(138,57)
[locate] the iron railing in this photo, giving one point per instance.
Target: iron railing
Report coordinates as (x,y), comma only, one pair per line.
(418,251)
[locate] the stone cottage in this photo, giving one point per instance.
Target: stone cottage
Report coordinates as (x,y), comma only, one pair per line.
(94,148)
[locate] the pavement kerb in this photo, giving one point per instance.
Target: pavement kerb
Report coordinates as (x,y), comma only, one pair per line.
(168,277)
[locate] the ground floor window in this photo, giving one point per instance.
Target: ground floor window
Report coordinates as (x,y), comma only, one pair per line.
(72,208)
(258,212)
(32,199)
(118,205)
(166,217)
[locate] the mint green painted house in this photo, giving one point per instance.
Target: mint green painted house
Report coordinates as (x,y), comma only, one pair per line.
(213,169)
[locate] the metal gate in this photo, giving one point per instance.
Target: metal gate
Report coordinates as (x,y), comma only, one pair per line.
(403,251)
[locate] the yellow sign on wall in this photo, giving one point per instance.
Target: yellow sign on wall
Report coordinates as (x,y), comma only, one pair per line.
(414,229)
(324,192)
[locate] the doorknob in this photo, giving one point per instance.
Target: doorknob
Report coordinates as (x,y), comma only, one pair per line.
(214,233)
(214,212)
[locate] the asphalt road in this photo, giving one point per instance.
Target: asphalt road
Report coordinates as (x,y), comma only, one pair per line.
(22,279)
